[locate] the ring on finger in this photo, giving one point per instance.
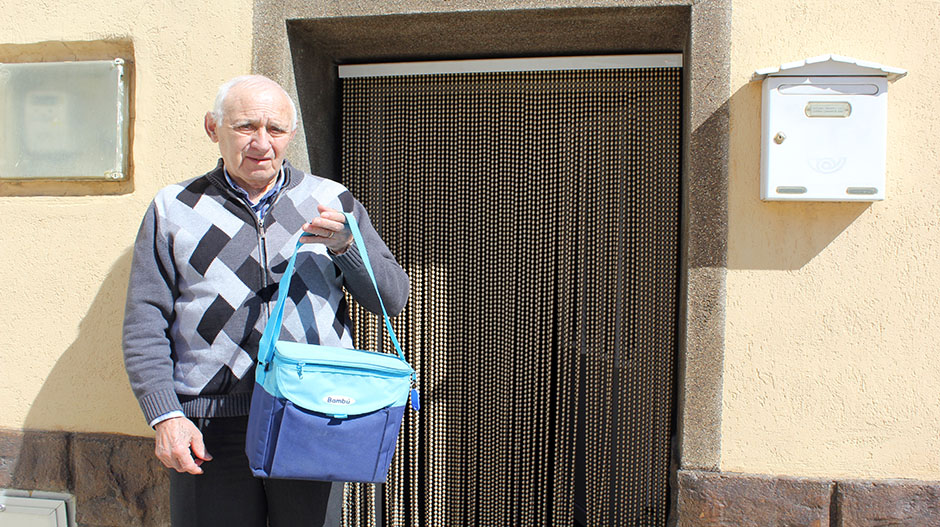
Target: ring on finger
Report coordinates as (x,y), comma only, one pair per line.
(331,234)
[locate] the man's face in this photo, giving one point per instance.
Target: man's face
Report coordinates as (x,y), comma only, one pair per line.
(253,135)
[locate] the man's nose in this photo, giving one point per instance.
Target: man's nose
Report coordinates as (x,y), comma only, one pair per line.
(261,139)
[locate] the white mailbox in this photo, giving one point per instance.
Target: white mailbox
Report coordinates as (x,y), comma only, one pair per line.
(823,129)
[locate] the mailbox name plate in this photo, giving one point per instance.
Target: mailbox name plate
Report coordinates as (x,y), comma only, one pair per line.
(838,109)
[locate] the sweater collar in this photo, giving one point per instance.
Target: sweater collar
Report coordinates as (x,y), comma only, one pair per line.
(291,176)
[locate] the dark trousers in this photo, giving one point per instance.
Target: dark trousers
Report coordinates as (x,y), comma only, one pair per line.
(227,494)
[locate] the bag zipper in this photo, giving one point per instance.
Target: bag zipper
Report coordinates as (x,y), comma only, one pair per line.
(300,365)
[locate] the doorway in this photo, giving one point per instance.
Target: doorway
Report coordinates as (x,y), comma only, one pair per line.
(536,208)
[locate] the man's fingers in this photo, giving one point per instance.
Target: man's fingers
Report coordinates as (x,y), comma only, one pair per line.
(329,224)
(199,449)
(323,227)
(334,219)
(331,214)
(187,464)
(181,462)
(329,228)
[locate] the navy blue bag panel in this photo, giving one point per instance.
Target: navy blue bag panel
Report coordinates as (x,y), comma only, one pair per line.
(264,421)
(300,444)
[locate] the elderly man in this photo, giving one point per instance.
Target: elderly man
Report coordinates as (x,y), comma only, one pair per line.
(207,261)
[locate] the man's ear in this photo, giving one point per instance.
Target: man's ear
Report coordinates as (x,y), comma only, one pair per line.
(211,127)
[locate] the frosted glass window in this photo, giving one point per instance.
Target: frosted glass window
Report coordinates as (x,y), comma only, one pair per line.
(63,120)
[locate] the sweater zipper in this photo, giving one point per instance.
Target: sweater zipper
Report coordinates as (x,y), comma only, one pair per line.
(262,242)
(263,253)
(263,246)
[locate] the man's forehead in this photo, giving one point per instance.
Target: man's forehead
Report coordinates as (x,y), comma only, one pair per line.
(252,103)
(257,118)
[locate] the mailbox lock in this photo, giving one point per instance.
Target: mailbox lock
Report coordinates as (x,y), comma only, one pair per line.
(780,137)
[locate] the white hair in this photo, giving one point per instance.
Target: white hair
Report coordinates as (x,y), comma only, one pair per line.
(218,111)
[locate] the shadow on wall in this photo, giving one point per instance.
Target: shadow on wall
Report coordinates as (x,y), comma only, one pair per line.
(772,235)
(87,388)
(115,478)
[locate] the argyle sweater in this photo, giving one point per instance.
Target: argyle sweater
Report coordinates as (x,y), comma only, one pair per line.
(204,278)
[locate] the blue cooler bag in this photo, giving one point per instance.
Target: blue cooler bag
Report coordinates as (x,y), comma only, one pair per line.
(322,412)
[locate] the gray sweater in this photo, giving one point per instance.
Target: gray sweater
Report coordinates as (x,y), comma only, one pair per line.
(204,278)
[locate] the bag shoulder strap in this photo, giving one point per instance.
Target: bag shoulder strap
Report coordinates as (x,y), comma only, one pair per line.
(273,328)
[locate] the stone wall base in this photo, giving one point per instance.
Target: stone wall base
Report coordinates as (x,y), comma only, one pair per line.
(116,480)
(726,499)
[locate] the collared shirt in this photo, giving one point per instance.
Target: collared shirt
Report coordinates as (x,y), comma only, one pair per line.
(263,204)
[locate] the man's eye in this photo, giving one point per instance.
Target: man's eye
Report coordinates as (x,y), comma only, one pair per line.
(277,131)
(244,127)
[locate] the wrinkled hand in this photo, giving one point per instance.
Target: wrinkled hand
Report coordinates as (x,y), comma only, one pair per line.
(329,228)
(178,442)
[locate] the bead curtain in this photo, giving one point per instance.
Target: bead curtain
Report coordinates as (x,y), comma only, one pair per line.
(537,215)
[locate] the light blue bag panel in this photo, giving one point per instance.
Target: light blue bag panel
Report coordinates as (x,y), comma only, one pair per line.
(339,381)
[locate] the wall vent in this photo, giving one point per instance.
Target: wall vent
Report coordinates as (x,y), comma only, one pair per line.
(23,508)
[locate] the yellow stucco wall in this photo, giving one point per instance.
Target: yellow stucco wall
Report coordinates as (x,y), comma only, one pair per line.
(832,363)
(64,260)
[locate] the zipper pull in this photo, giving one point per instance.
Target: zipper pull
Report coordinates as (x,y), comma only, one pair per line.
(300,370)
(415,397)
